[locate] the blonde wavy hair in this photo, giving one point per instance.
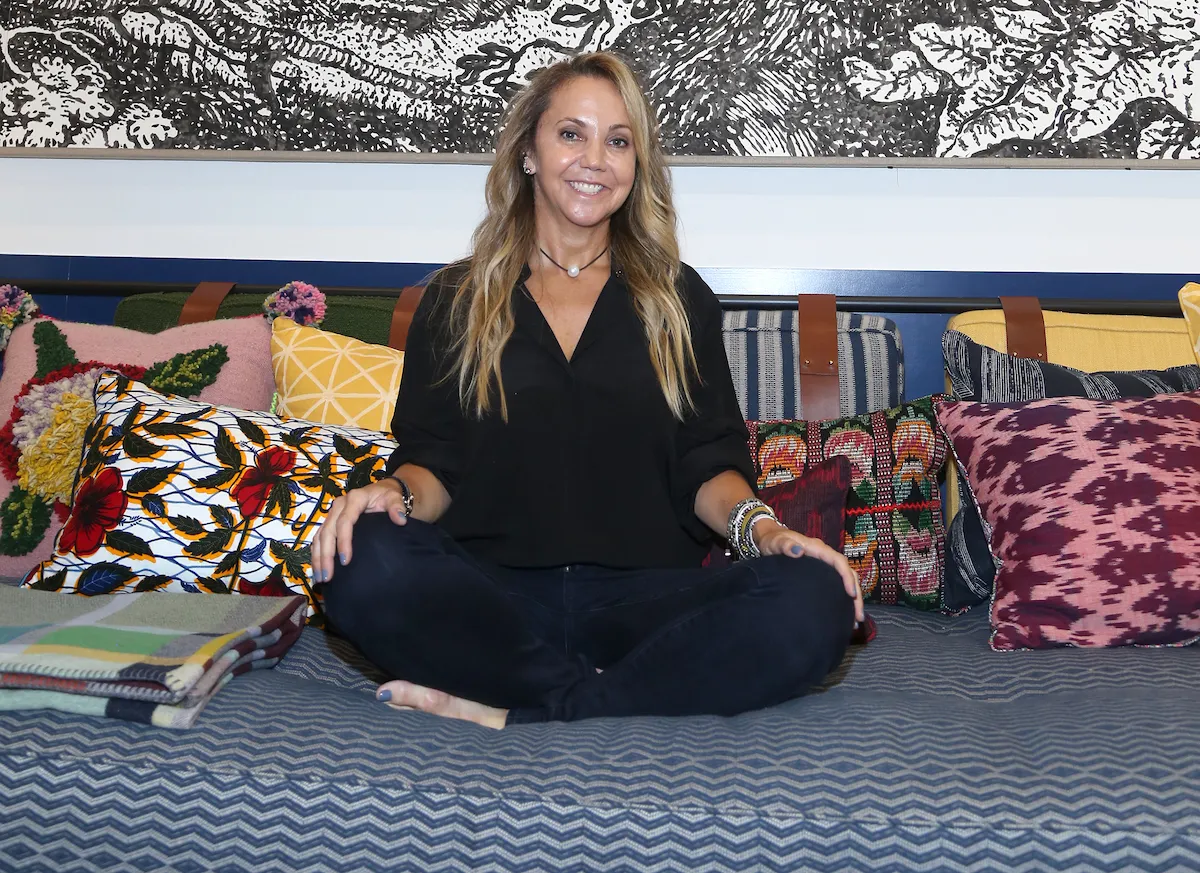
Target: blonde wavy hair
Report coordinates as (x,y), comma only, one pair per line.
(641,233)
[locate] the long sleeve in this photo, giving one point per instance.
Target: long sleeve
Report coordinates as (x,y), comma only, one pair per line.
(714,438)
(428,421)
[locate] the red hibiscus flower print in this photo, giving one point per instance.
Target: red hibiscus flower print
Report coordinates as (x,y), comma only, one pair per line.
(99,505)
(254,486)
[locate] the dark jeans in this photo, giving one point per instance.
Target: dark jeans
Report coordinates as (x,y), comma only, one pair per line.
(669,642)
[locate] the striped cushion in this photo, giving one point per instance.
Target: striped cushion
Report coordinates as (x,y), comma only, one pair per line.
(761,346)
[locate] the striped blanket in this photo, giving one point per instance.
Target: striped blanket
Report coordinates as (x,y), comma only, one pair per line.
(154,658)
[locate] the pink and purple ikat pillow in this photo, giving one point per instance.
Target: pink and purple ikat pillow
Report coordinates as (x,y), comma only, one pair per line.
(1093,512)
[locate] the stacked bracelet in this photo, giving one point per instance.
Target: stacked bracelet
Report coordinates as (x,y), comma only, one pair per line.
(741,526)
(405,494)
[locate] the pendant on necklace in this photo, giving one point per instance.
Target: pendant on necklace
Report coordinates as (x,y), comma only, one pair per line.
(572,271)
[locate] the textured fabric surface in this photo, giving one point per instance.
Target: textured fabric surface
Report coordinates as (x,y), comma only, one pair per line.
(50,368)
(1189,302)
(761,347)
(333,379)
(129,645)
(154,659)
(1067,760)
(814,504)
(178,495)
(977,372)
(1094,514)
(895,538)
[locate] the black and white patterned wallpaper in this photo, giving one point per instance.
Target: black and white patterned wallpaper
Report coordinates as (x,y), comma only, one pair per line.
(847,78)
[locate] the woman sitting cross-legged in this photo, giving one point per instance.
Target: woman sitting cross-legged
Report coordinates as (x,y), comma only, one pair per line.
(569,443)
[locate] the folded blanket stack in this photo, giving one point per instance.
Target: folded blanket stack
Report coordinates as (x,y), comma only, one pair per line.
(154,658)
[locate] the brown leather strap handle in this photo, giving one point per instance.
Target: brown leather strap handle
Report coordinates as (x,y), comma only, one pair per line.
(817,351)
(203,302)
(402,315)
(1025,327)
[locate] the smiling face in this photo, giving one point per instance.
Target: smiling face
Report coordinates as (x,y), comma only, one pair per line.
(583,155)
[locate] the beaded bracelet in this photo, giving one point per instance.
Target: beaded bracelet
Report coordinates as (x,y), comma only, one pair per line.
(740,528)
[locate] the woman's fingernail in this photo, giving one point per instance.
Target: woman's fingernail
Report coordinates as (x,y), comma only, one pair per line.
(384,695)
(342,558)
(796,550)
(317,575)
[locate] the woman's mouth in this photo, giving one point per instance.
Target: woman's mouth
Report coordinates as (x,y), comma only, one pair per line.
(587,188)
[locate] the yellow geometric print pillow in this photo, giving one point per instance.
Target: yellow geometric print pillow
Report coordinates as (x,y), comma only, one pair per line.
(333,379)
(1189,302)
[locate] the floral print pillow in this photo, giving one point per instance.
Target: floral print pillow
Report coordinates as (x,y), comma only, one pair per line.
(895,536)
(50,372)
(178,495)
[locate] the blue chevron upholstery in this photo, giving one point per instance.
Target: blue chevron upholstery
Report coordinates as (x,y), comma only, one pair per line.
(926,751)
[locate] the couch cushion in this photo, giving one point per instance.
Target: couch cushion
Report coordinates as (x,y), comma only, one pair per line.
(1092,342)
(367,318)
(761,347)
(925,751)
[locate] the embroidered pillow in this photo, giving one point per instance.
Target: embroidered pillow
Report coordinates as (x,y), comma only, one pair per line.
(1093,511)
(977,372)
(179,495)
(333,379)
(50,369)
(894,535)
(813,504)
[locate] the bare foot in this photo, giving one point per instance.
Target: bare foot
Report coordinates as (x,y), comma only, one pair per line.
(406,695)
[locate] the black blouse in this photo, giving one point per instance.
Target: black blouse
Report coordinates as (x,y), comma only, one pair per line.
(591,467)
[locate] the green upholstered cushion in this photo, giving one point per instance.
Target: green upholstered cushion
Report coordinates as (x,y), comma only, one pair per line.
(363,317)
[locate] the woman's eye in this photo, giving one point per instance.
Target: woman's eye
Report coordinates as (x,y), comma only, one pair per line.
(620,142)
(570,135)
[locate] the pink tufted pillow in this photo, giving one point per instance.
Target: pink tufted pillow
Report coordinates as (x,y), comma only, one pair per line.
(1093,511)
(50,370)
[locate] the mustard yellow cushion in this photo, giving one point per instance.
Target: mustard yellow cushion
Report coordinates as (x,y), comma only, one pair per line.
(1189,301)
(333,379)
(1092,343)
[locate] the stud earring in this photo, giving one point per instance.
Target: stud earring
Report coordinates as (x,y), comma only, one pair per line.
(525,166)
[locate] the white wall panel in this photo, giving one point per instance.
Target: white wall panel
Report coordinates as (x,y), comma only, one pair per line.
(1078,220)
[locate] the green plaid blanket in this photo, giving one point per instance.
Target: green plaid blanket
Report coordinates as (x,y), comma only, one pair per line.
(156,658)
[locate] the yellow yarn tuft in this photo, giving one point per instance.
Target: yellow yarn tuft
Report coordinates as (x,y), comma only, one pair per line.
(47,468)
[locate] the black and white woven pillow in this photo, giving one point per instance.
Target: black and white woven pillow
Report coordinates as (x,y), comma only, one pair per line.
(983,374)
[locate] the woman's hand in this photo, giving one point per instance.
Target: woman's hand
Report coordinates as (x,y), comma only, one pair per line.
(334,537)
(775,539)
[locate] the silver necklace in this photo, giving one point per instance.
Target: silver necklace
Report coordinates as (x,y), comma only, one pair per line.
(572,270)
